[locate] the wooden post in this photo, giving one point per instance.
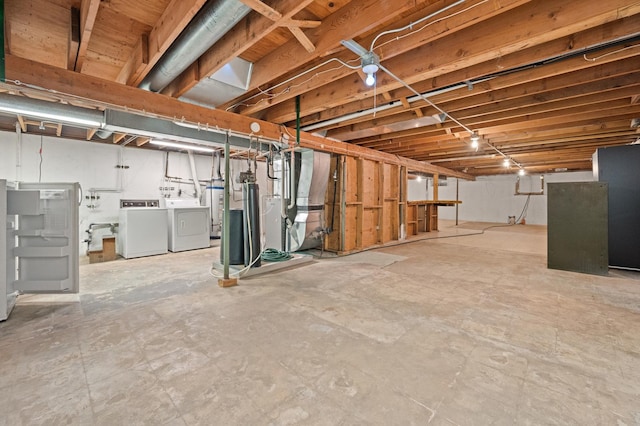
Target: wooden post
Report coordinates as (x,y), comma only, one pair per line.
(435,187)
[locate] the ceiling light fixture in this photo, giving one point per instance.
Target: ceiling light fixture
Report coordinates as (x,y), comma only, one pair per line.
(475,140)
(506,162)
(370,67)
(181,146)
(521,172)
(370,62)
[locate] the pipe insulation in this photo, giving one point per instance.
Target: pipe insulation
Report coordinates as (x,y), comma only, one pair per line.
(214,20)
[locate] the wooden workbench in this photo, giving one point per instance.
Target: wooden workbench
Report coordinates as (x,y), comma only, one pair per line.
(422,215)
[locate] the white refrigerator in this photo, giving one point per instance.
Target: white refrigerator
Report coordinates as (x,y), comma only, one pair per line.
(39,223)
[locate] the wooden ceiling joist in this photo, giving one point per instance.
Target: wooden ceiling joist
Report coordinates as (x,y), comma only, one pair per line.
(133,99)
(88,14)
(233,44)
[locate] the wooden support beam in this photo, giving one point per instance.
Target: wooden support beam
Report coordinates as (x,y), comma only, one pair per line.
(117,137)
(174,19)
(435,186)
(74,38)
(137,63)
(480,51)
(23,124)
(263,9)
(133,99)
(232,45)
(303,24)
(302,38)
(358,14)
(142,141)
(59,130)
(91,133)
(88,14)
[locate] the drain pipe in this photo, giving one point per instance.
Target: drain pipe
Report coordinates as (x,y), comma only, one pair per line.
(18,152)
(194,176)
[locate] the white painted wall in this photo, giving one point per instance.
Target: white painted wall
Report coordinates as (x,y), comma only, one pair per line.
(493,199)
(417,189)
(93,165)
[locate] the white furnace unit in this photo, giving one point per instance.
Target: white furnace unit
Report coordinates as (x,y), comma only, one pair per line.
(188,224)
(142,229)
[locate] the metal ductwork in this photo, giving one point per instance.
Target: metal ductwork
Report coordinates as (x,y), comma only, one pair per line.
(308,227)
(213,21)
(51,112)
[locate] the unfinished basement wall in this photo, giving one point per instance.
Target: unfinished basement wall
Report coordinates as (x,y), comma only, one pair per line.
(365,204)
(493,199)
(93,165)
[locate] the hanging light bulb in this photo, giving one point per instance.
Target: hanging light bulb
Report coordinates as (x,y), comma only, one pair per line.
(506,162)
(475,140)
(371,79)
(370,67)
(521,172)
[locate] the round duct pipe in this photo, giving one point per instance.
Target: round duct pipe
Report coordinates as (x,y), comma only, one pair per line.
(51,111)
(214,20)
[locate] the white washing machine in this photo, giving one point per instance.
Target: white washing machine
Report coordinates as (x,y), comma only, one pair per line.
(142,229)
(189,224)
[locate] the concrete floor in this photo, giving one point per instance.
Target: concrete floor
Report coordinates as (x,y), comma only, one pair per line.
(468,331)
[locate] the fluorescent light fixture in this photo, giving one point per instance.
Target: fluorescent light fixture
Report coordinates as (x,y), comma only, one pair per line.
(50,116)
(181,146)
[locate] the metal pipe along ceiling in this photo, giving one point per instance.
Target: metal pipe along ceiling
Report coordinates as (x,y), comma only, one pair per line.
(49,111)
(214,20)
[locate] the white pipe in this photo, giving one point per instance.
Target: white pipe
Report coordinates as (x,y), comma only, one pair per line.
(18,152)
(194,175)
(385,107)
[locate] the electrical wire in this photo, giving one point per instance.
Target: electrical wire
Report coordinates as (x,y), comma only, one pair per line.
(411,25)
(287,89)
(608,54)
